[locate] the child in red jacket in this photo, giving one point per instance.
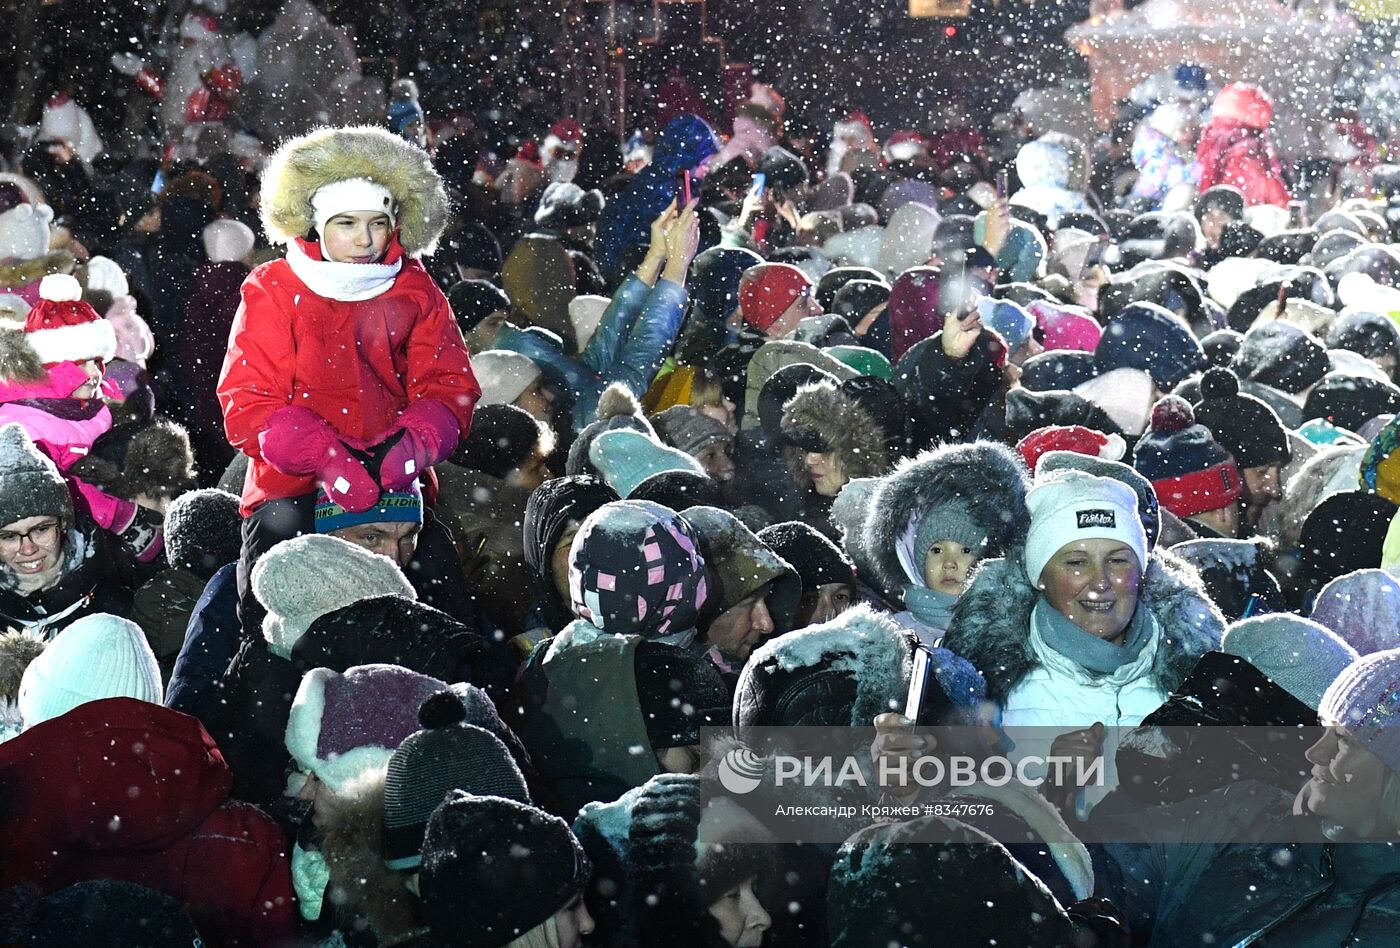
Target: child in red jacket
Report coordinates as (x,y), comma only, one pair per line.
(345,370)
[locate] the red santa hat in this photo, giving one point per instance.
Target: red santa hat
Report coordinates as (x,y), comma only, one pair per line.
(62,328)
(905,145)
(1074,438)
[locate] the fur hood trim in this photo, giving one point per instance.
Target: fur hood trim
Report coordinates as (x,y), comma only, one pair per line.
(991,622)
(986,478)
(19,363)
(26,272)
(17,650)
(307,163)
(156,461)
(841,422)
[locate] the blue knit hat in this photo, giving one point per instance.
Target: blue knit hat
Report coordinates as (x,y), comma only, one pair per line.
(625,458)
(1010,321)
(405,506)
(1299,655)
(1190,471)
(1148,337)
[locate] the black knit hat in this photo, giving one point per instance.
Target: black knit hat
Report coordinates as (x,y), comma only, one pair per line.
(102,913)
(679,490)
(1282,356)
(564,205)
(857,298)
(493,869)
(1221,346)
(1241,424)
(502,438)
(1058,370)
(448,754)
(817,560)
(678,693)
(1343,534)
(1349,401)
(474,300)
(1370,334)
(835,279)
(203,531)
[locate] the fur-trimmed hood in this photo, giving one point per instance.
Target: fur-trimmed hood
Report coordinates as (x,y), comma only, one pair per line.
(154,459)
(985,478)
(19,363)
(991,622)
(307,163)
(17,650)
(25,272)
(838,420)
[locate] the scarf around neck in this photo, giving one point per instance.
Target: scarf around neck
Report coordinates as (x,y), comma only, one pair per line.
(930,606)
(1090,652)
(346,282)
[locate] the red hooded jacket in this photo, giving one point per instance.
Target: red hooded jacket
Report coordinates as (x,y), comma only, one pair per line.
(129,790)
(356,364)
(1235,147)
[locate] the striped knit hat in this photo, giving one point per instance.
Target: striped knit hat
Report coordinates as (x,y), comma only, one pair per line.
(448,754)
(1190,471)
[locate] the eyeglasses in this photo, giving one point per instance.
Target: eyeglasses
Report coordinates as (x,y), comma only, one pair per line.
(44,534)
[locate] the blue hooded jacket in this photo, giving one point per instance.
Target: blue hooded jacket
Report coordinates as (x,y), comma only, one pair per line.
(683,144)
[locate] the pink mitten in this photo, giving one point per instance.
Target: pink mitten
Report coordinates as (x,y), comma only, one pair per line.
(111,513)
(430,433)
(345,480)
(296,440)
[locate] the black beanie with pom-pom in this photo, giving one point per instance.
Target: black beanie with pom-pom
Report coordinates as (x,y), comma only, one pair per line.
(1243,425)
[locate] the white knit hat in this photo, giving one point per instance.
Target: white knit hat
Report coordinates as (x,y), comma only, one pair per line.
(1074,506)
(302,579)
(227,240)
(585,313)
(503,375)
(98,656)
(106,275)
(347,195)
(24,232)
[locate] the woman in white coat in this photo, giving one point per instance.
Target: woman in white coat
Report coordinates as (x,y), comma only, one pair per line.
(1084,626)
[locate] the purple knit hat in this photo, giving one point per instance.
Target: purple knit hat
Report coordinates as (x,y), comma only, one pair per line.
(1366,700)
(345,725)
(1363,608)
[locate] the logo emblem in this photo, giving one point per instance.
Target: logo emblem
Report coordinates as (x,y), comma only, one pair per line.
(740,770)
(1097,518)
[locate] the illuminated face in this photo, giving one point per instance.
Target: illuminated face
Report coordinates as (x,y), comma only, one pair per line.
(742,919)
(92,368)
(741,628)
(828,476)
(357,236)
(947,566)
(1346,782)
(397,541)
(1094,584)
(823,604)
(573,922)
(714,458)
(32,549)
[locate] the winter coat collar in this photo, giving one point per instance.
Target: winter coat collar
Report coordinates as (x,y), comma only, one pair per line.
(992,622)
(23,272)
(346,282)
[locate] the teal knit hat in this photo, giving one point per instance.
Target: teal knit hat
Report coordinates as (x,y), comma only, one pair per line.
(625,458)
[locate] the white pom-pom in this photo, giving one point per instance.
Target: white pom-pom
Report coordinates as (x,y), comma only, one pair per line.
(60,288)
(1115,447)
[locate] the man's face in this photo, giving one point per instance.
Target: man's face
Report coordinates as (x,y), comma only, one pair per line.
(741,628)
(805,305)
(398,541)
(823,604)
(1262,486)
(537,400)
(483,337)
(529,475)
(1213,226)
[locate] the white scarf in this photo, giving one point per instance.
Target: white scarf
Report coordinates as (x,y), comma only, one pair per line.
(346,282)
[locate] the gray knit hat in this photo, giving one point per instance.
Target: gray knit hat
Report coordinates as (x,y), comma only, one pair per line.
(684,427)
(448,754)
(30,485)
(1301,656)
(203,531)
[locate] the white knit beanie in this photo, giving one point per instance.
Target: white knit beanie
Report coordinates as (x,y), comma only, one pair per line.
(349,195)
(503,375)
(98,656)
(1074,506)
(302,579)
(1299,655)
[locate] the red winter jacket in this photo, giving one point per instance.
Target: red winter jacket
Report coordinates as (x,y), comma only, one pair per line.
(1232,153)
(129,790)
(356,364)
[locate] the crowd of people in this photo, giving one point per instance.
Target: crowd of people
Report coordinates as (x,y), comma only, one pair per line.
(394,542)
